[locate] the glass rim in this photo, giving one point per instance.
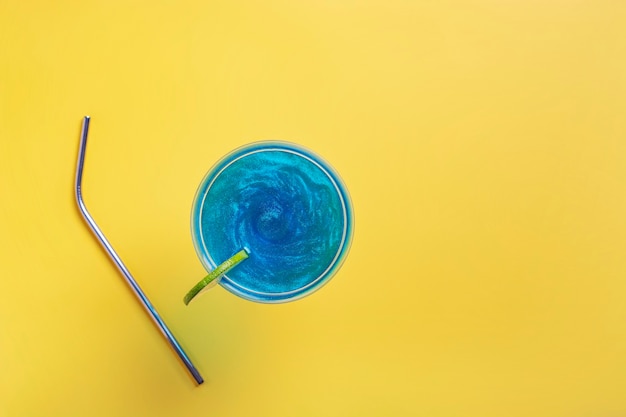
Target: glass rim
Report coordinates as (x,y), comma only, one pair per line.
(219,167)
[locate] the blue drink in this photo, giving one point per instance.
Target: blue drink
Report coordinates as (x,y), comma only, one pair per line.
(287,207)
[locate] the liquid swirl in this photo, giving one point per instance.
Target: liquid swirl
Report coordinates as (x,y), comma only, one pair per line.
(286,210)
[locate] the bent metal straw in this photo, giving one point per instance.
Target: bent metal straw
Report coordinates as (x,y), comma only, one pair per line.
(118,261)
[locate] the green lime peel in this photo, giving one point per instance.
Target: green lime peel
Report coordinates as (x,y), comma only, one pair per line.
(214,276)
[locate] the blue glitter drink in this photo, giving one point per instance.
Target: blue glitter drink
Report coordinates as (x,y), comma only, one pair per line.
(286,207)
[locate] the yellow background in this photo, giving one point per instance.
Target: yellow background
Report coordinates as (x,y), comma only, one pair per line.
(483,143)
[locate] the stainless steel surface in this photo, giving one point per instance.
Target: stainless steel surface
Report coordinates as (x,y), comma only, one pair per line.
(118,262)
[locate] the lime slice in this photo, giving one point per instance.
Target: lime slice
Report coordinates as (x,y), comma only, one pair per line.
(214,276)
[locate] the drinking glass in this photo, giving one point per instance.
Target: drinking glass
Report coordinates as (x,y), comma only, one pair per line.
(286,207)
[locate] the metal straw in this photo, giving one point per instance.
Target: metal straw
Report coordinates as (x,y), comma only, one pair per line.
(120,265)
